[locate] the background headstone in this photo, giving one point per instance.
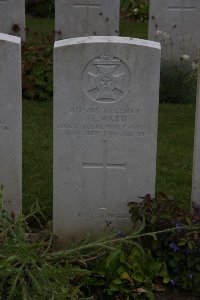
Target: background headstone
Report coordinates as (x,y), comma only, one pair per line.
(10,122)
(105,131)
(12,17)
(77,18)
(176,24)
(196,154)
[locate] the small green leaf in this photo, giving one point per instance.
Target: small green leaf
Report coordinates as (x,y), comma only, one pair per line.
(125,276)
(138,276)
(117,281)
(112,257)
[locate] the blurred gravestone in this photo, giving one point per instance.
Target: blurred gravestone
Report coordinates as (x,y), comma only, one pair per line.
(10,122)
(105,131)
(12,17)
(176,24)
(74,18)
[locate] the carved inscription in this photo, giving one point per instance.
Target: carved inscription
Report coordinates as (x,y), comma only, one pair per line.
(89,216)
(106,79)
(104,122)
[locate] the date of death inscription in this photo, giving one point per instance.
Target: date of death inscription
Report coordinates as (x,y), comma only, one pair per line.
(124,122)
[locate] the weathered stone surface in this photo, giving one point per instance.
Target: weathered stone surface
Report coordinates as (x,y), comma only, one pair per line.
(10,122)
(12,17)
(77,18)
(105,131)
(196,154)
(176,24)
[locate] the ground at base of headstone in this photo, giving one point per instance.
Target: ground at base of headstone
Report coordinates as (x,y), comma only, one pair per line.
(115,267)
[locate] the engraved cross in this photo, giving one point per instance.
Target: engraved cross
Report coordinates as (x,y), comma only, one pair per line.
(105,166)
(87,4)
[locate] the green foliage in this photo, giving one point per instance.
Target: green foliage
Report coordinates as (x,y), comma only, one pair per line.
(181,252)
(179,248)
(30,269)
(137,9)
(37,60)
(130,270)
(118,266)
(37,72)
(158,213)
(182,255)
(40,8)
(24,270)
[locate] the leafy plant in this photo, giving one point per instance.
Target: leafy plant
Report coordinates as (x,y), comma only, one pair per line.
(159,213)
(131,270)
(179,248)
(30,269)
(37,72)
(137,9)
(118,266)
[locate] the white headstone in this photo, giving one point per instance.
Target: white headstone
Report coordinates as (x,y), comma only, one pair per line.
(176,24)
(12,17)
(196,154)
(77,18)
(105,131)
(10,122)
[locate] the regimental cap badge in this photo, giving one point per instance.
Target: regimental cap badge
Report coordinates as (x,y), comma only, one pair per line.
(106,78)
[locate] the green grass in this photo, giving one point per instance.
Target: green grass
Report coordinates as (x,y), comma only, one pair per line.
(175,138)
(133,29)
(37,155)
(175,148)
(38,29)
